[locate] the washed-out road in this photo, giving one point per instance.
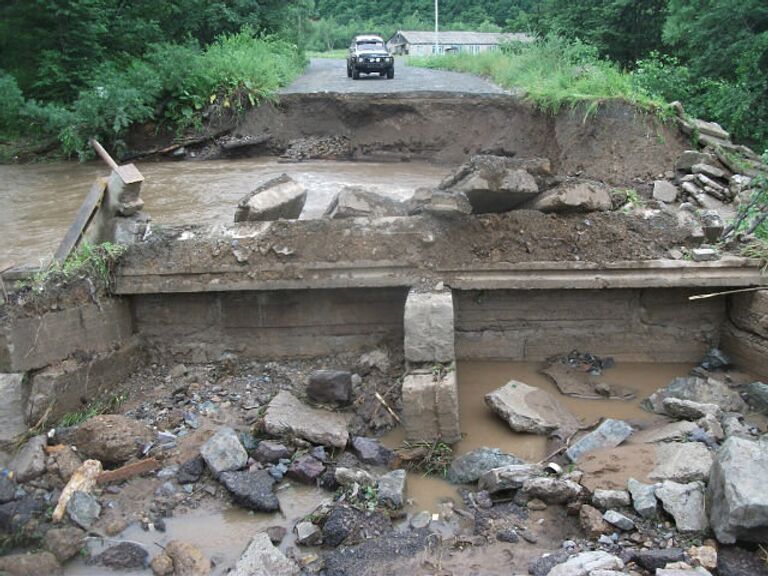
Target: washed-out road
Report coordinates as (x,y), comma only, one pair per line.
(330,75)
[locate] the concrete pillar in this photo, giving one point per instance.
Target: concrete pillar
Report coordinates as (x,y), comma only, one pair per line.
(430,392)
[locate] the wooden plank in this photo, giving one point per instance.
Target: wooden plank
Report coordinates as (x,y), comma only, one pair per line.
(128,471)
(83,218)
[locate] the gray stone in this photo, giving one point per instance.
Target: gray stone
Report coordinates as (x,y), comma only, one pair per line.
(271,451)
(330,387)
(123,556)
(446,205)
(609,434)
(370,451)
(710,129)
(709,170)
(574,196)
(757,393)
(350,476)
(12,408)
(654,559)
(704,254)
(689,158)
(307,534)
(552,490)
(737,496)
(605,499)
(471,466)
(664,191)
(584,563)
(112,438)
(683,572)
(431,406)
(356,202)
(191,471)
(280,197)
(262,558)
(508,477)
(252,490)
(712,225)
(223,452)
(672,432)
(421,520)
(690,410)
(701,390)
(531,410)
(29,462)
(306,469)
(685,503)
(286,414)
(64,543)
(682,462)
(643,497)
(83,509)
(391,488)
(7,489)
(347,525)
(429,328)
(619,520)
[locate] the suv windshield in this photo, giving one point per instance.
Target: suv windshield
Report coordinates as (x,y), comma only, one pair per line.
(370,45)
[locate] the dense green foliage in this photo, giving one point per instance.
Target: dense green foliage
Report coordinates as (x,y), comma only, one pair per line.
(553,72)
(75,69)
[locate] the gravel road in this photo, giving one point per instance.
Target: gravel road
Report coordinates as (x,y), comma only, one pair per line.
(330,75)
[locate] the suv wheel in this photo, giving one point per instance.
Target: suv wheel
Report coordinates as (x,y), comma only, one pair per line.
(349,71)
(355,74)
(391,73)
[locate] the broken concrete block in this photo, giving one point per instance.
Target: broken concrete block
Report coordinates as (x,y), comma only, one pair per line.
(431,406)
(643,497)
(664,191)
(12,408)
(701,390)
(737,497)
(281,197)
(709,170)
(574,196)
(356,202)
(682,462)
(223,452)
(609,434)
(286,414)
(262,558)
(688,158)
(476,463)
(429,327)
(511,477)
(531,410)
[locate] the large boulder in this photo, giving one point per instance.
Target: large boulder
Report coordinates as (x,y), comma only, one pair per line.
(471,466)
(112,438)
(738,500)
(682,462)
(223,452)
(609,434)
(533,410)
(281,197)
(286,414)
(510,477)
(496,183)
(262,558)
(685,503)
(356,202)
(700,390)
(574,196)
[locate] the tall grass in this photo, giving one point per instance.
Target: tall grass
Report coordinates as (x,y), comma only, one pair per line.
(551,72)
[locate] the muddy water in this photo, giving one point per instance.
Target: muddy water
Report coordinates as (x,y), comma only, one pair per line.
(481,427)
(39,201)
(222,535)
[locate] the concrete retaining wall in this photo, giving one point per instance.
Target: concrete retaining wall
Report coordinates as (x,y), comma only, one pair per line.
(270,324)
(745,335)
(650,325)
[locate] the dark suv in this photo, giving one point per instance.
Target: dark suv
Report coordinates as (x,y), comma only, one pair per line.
(369,55)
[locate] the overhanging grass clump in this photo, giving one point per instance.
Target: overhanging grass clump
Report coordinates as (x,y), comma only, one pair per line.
(553,72)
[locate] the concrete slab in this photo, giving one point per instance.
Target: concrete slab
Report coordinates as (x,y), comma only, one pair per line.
(431,407)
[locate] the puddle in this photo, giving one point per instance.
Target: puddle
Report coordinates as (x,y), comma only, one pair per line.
(39,201)
(482,428)
(222,535)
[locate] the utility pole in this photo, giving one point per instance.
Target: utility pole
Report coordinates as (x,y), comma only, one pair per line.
(437,41)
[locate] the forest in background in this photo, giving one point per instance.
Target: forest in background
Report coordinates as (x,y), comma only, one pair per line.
(71,69)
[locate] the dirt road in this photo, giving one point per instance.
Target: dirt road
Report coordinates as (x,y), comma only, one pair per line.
(329,75)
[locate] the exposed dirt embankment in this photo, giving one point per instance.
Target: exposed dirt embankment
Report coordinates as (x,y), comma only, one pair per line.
(616,144)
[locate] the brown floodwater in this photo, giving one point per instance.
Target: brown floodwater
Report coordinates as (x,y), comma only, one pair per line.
(481,427)
(221,534)
(38,201)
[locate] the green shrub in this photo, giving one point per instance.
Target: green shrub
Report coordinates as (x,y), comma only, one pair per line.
(11,103)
